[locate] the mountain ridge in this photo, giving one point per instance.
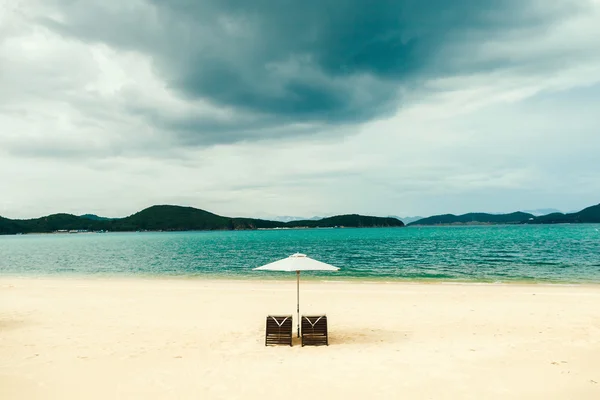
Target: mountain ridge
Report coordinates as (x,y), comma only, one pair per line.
(181,218)
(474,218)
(95,217)
(178,218)
(587,215)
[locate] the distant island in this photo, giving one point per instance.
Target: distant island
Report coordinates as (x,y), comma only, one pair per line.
(474,218)
(177,218)
(587,215)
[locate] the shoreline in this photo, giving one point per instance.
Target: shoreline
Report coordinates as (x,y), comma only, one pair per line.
(291,278)
(449,225)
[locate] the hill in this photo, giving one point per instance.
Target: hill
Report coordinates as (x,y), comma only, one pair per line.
(176,218)
(166,217)
(587,215)
(9,227)
(475,219)
(50,223)
(95,217)
(349,220)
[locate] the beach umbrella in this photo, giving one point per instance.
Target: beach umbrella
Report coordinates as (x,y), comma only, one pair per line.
(297,263)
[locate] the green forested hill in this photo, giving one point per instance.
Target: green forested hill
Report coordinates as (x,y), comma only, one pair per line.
(166,217)
(350,220)
(9,227)
(589,215)
(475,218)
(175,218)
(49,223)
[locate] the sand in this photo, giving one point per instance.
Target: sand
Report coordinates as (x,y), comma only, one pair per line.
(198,339)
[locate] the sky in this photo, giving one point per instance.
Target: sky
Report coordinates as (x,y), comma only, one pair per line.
(270,108)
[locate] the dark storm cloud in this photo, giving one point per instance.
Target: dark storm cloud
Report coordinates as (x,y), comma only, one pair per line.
(286,62)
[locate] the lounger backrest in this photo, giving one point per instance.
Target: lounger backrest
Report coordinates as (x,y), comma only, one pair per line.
(278,329)
(314,329)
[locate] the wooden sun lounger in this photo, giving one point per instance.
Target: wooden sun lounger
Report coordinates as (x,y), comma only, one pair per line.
(314,330)
(278,330)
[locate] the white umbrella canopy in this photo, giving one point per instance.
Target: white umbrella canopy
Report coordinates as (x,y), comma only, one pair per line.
(296,263)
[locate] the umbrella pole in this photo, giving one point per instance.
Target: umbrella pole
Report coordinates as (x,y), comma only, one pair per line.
(298,299)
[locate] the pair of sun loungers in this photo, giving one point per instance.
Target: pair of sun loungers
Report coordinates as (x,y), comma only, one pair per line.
(280,327)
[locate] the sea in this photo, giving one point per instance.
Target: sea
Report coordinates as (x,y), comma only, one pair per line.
(567,254)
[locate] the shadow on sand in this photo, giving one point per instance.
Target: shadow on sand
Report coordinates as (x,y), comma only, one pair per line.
(7,323)
(343,337)
(340,337)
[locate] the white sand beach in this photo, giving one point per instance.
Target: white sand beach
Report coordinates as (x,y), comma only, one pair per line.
(198,339)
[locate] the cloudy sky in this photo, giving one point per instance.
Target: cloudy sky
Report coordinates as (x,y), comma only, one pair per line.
(265,108)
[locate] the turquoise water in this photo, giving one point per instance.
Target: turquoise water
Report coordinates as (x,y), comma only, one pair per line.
(546,253)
